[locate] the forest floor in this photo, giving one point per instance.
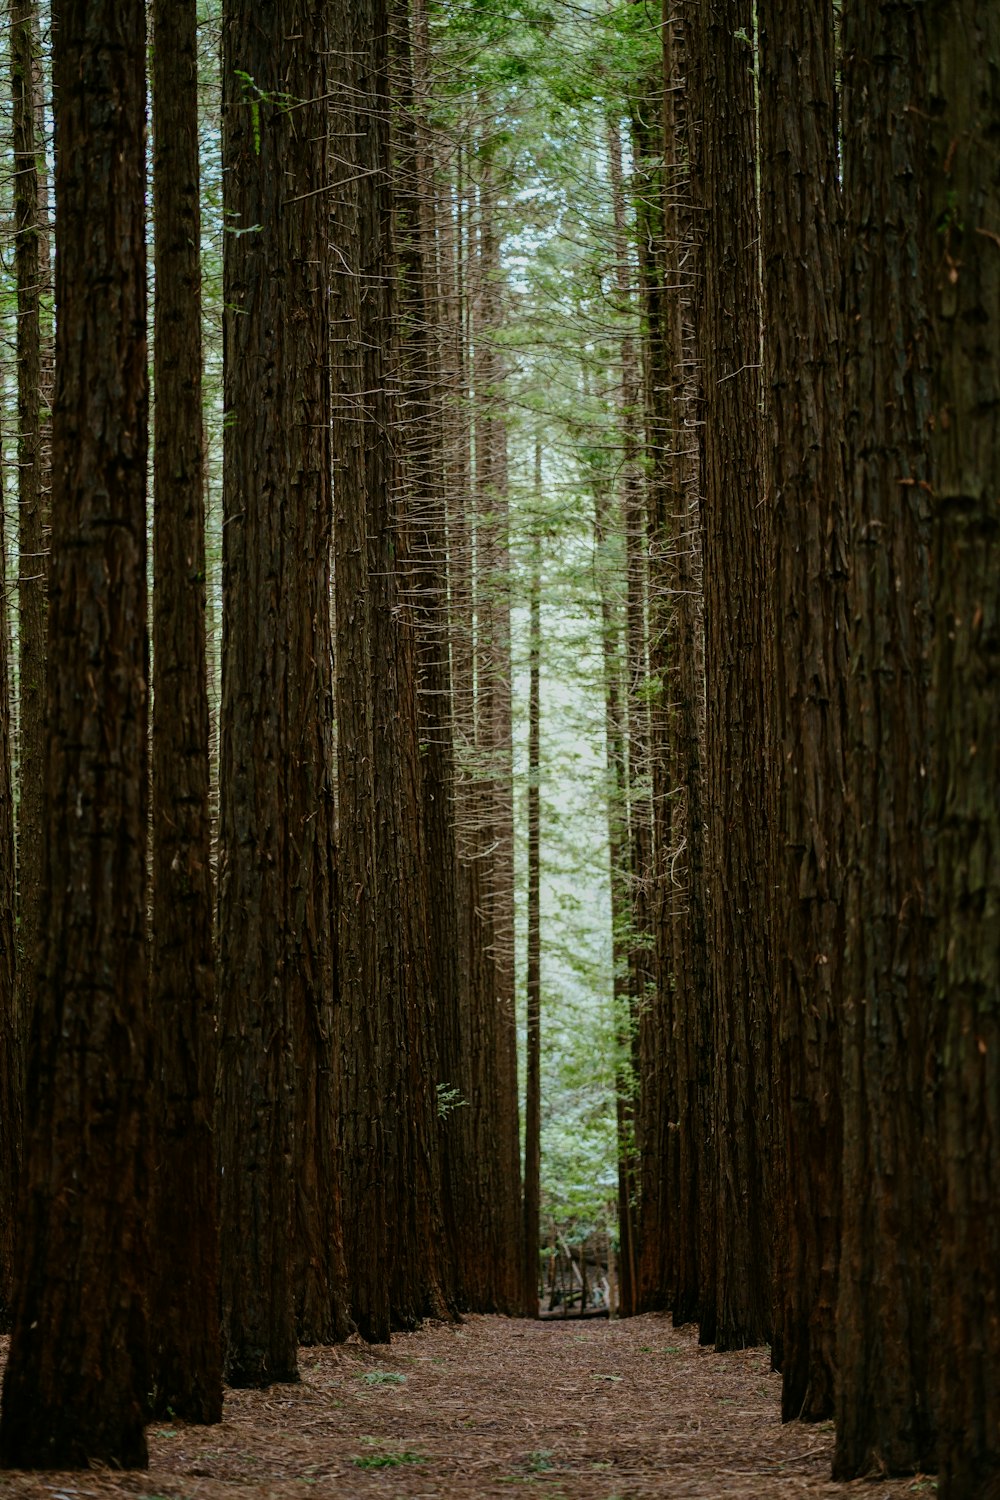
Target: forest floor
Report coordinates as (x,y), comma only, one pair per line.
(575,1410)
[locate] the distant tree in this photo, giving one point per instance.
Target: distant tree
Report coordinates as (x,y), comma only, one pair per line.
(77,1380)
(34,476)
(884,1348)
(11,1034)
(962,247)
(533,977)
(187,1362)
(800,240)
(738,663)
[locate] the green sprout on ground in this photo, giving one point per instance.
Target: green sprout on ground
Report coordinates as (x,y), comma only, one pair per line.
(383,1377)
(387,1460)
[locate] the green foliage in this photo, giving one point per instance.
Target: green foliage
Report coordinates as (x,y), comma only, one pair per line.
(387,1460)
(383,1377)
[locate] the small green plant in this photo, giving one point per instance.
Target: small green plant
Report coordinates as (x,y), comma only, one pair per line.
(448,1099)
(539,1461)
(383,1377)
(387,1460)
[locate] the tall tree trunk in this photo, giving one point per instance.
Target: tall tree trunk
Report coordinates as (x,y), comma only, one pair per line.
(635,708)
(277,1140)
(77,1379)
(533,968)
(608,565)
(34,396)
(963,249)
(800,223)
(365,1024)
(883,1404)
(187,1358)
(11,1031)
(423,524)
(738,663)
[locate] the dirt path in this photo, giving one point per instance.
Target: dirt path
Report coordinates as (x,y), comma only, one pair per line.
(563,1411)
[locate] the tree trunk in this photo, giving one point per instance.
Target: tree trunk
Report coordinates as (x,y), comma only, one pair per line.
(533,971)
(883,1337)
(963,250)
(275,959)
(77,1379)
(802,314)
(365,1024)
(34,396)
(11,1031)
(738,664)
(187,1359)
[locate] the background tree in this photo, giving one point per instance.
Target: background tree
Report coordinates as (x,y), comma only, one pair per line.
(11,1034)
(77,1378)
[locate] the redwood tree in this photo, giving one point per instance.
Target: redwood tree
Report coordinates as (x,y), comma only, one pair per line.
(884,1348)
(962,244)
(77,1379)
(11,1091)
(800,226)
(187,1366)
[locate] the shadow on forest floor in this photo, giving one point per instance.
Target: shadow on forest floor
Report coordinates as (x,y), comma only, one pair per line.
(495,1407)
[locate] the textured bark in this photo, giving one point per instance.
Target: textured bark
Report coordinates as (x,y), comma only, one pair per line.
(533,967)
(635,707)
(78,1375)
(738,663)
(11,1032)
(365,1024)
(186,1350)
(883,1338)
(279,1185)
(424,582)
(34,468)
(963,250)
(658,1110)
(608,565)
(802,315)
(492,1033)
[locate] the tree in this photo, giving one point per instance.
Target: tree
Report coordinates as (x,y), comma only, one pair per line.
(280,1194)
(78,1375)
(34,395)
(884,1349)
(187,1358)
(11,1034)
(738,664)
(533,981)
(800,227)
(962,250)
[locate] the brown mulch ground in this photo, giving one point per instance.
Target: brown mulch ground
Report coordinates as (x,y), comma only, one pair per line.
(584,1410)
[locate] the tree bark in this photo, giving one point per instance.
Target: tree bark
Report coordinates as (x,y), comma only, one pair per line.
(77,1379)
(883,1395)
(34,469)
(800,236)
(963,252)
(533,967)
(187,1357)
(738,663)
(11,1031)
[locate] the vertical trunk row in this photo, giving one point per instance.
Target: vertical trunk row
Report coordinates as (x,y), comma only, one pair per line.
(738,666)
(962,245)
(187,1368)
(77,1379)
(800,226)
(883,1404)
